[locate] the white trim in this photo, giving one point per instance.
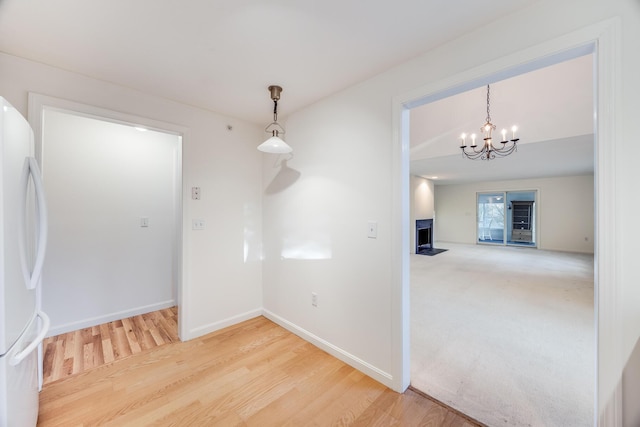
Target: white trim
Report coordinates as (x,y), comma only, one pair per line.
(609,359)
(337,352)
(604,39)
(99,320)
(38,102)
(400,217)
(221,324)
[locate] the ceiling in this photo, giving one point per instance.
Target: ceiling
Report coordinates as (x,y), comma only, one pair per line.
(552,107)
(221,55)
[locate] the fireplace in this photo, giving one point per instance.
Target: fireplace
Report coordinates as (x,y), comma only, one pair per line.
(424,235)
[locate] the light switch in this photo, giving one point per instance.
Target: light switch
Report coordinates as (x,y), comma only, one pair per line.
(197,224)
(144,222)
(372,230)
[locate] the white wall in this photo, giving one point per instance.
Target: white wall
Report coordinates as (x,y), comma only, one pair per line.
(565,211)
(101,179)
(345,181)
(631,388)
(422,205)
(221,264)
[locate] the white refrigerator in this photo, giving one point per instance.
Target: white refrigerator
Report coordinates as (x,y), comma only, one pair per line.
(23,231)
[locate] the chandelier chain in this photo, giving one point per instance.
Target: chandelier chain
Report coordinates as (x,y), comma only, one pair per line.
(488,102)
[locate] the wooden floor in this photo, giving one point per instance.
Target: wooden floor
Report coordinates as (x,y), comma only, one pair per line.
(251,374)
(74,352)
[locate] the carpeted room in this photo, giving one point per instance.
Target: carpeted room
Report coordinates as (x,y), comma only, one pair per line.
(506,333)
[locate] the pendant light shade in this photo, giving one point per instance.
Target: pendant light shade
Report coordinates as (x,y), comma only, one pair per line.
(275,144)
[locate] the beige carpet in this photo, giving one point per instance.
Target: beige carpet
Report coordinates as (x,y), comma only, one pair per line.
(504,334)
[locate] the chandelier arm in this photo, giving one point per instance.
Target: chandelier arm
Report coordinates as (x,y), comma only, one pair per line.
(506,148)
(489,152)
(473,155)
(504,153)
(482,149)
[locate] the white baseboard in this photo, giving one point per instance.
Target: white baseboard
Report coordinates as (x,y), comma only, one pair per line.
(212,327)
(348,358)
(110,317)
(368,369)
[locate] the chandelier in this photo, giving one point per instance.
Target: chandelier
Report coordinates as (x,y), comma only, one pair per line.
(488,150)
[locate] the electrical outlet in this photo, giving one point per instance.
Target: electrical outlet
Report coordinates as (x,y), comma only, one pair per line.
(195,193)
(314,299)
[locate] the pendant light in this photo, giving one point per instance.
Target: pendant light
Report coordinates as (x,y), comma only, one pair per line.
(275,144)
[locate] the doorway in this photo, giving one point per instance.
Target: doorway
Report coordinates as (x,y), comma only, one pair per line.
(490,211)
(114,190)
(502,218)
(507,218)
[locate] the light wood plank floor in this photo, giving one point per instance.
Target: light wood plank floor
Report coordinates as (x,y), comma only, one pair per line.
(75,352)
(251,374)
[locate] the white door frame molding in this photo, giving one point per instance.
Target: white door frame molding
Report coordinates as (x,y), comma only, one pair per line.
(38,103)
(603,40)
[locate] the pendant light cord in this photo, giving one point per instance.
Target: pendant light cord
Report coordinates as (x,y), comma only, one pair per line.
(275,110)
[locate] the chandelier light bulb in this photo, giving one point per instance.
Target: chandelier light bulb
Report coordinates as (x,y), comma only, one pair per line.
(513,132)
(504,134)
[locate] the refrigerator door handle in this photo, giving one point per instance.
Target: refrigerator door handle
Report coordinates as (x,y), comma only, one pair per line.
(19,357)
(31,168)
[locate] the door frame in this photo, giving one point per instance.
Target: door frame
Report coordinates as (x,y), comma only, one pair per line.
(36,106)
(602,40)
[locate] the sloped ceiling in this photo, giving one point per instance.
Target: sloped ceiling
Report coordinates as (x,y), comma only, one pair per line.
(221,55)
(552,107)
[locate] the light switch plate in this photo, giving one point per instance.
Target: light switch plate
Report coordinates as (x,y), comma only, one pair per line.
(372,232)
